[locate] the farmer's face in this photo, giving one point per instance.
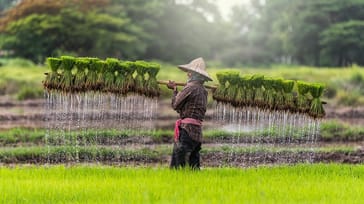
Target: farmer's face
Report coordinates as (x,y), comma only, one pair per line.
(189,75)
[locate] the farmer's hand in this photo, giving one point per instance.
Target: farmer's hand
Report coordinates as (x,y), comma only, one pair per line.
(171,85)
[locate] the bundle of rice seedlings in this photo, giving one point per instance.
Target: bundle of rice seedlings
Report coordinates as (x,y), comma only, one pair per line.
(233,81)
(303,98)
(316,108)
(220,92)
(120,77)
(258,90)
(52,79)
(92,74)
(250,92)
(67,78)
(113,65)
(240,97)
(288,86)
(141,69)
(101,68)
(151,84)
(82,65)
(269,93)
(278,87)
(129,80)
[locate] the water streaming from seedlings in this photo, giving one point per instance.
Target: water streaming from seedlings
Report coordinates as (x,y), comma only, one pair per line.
(263,136)
(92,125)
(95,126)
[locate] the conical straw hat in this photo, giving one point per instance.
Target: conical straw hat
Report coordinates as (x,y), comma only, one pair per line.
(196,65)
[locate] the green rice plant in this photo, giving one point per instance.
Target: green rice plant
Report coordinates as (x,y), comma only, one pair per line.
(278,87)
(250,90)
(258,90)
(240,97)
(151,84)
(233,80)
(92,74)
(101,68)
(82,65)
(52,78)
(30,92)
(269,94)
(303,183)
(129,80)
(303,99)
(289,100)
(316,108)
(141,70)
(67,78)
(121,72)
(113,65)
(220,93)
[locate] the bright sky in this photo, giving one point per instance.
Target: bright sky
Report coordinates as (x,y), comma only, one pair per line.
(225,5)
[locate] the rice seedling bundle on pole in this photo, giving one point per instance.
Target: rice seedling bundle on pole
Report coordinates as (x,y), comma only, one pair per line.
(240,97)
(288,95)
(151,84)
(257,90)
(220,93)
(52,79)
(278,87)
(141,70)
(316,108)
(121,72)
(269,93)
(303,99)
(129,80)
(67,78)
(82,65)
(70,74)
(109,75)
(101,67)
(93,73)
(233,83)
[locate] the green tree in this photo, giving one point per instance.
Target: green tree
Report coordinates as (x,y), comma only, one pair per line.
(90,33)
(343,43)
(297,31)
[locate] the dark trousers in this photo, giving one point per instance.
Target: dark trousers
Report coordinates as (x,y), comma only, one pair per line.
(186,151)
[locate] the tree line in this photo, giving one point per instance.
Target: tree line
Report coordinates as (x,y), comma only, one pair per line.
(310,32)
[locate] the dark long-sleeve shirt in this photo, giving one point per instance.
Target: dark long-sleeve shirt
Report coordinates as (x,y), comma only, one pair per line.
(191,103)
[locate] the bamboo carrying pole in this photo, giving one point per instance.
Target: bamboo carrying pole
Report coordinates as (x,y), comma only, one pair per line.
(184,84)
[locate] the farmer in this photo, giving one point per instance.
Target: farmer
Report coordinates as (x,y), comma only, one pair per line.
(190,103)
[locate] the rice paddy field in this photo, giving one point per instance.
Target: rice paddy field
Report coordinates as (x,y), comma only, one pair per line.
(76,155)
(320,183)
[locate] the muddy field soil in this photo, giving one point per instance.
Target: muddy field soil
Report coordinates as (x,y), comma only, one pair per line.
(212,159)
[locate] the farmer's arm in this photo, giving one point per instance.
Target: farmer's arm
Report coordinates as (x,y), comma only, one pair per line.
(179,98)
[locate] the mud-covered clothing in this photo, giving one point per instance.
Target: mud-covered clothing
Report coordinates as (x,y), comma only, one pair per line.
(191,102)
(186,151)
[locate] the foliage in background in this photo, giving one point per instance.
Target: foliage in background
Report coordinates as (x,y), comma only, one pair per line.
(312,32)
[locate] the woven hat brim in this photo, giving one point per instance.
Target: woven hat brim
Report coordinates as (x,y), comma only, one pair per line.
(186,68)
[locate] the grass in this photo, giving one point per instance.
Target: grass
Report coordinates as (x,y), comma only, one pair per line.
(334,130)
(318,183)
(14,81)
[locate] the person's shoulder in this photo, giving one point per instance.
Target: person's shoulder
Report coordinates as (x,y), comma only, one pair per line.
(196,88)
